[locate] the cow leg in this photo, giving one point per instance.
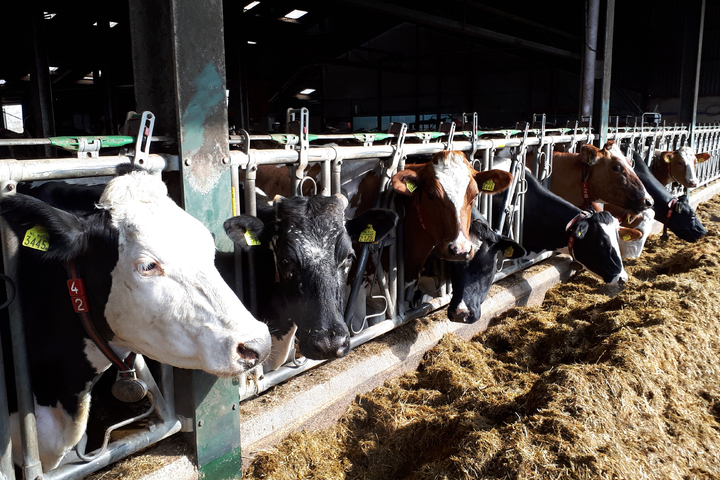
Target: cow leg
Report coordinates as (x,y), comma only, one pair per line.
(58,432)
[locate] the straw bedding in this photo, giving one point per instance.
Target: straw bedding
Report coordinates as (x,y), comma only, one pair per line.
(594,383)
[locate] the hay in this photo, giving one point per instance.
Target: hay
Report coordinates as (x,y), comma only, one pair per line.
(591,384)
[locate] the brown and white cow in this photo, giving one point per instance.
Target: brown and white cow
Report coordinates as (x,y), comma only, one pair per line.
(438,197)
(678,166)
(599,176)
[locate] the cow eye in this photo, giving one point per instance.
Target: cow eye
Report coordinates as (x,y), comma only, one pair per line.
(149,268)
(617,168)
(430,195)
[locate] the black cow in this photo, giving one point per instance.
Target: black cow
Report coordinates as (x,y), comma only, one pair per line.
(674,212)
(471,281)
(312,246)
(141,270)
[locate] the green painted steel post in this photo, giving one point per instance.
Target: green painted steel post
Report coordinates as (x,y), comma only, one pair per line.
(204,153)
(179,59)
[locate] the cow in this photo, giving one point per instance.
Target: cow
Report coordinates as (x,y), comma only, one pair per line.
(139,274)
(471,281)
(600,176)
(305,254)
(550,223)
(675,213)
(677,166)
(438,197)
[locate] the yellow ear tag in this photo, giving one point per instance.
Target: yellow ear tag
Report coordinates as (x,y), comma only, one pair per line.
(367,235)
(488,186)
(250,239)
(411,187)
(627,238)
(667,159)
(508,252)
(37,238)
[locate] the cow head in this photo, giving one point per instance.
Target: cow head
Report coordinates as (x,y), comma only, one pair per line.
(682,220)
(312,246)
(471,281)
(444,192)
(593,241)
(681,164)
(612,179)
(165,298)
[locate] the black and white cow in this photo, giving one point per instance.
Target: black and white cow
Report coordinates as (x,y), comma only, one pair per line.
(303,288)
(471,281)
(675,213)
(150,287)
(550,223)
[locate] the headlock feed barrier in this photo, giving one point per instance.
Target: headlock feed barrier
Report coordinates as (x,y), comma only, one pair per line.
(528,145)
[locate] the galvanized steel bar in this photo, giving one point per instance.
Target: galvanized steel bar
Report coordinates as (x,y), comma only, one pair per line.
(31,466)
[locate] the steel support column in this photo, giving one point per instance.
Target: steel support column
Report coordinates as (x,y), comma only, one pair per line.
(185,84)
(40,79)
(587,69)
(607,71)
(690,69)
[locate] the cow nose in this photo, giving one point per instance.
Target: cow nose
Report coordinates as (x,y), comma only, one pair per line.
(333,345)
(693,184)
(460,248)
(254,351)
(649,202)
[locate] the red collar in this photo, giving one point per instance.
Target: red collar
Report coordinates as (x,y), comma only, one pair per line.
(584,184)
(76,288)
(671,204)
(571,238)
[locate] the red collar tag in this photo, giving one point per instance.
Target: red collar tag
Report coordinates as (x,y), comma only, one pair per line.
(585,190)
(76,288)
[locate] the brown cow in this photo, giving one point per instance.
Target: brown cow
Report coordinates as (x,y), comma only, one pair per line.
(598,175)
(438,197)
(678,166)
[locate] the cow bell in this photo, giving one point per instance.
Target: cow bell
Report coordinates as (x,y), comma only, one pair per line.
(129,389)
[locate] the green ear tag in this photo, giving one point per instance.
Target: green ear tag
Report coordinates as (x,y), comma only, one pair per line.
(250,239)
(508,252)
(627,238)
(488,186)
(37,238)
(367,235)
(411,187)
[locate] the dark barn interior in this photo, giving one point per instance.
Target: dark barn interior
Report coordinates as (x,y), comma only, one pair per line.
(368,62)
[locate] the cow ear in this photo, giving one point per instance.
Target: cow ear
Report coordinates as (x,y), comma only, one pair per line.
(629,234)
(701,157)
(581,228)
(378,220)
(589,154)
(405,182)
(493,181)
(55,234)
(245,230)
(510,249)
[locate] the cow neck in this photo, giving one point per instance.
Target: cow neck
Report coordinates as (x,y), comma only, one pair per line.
(671,205)
(78,295)
(416,202)
(586,170)
(417,244)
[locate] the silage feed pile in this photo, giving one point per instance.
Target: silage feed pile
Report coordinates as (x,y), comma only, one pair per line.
(592,384)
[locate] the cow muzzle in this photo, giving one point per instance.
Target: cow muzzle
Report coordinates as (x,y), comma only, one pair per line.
(254,352)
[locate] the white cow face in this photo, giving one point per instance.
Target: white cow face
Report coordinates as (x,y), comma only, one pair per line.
(167,300)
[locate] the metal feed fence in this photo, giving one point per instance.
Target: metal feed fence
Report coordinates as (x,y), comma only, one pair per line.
(530,145)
